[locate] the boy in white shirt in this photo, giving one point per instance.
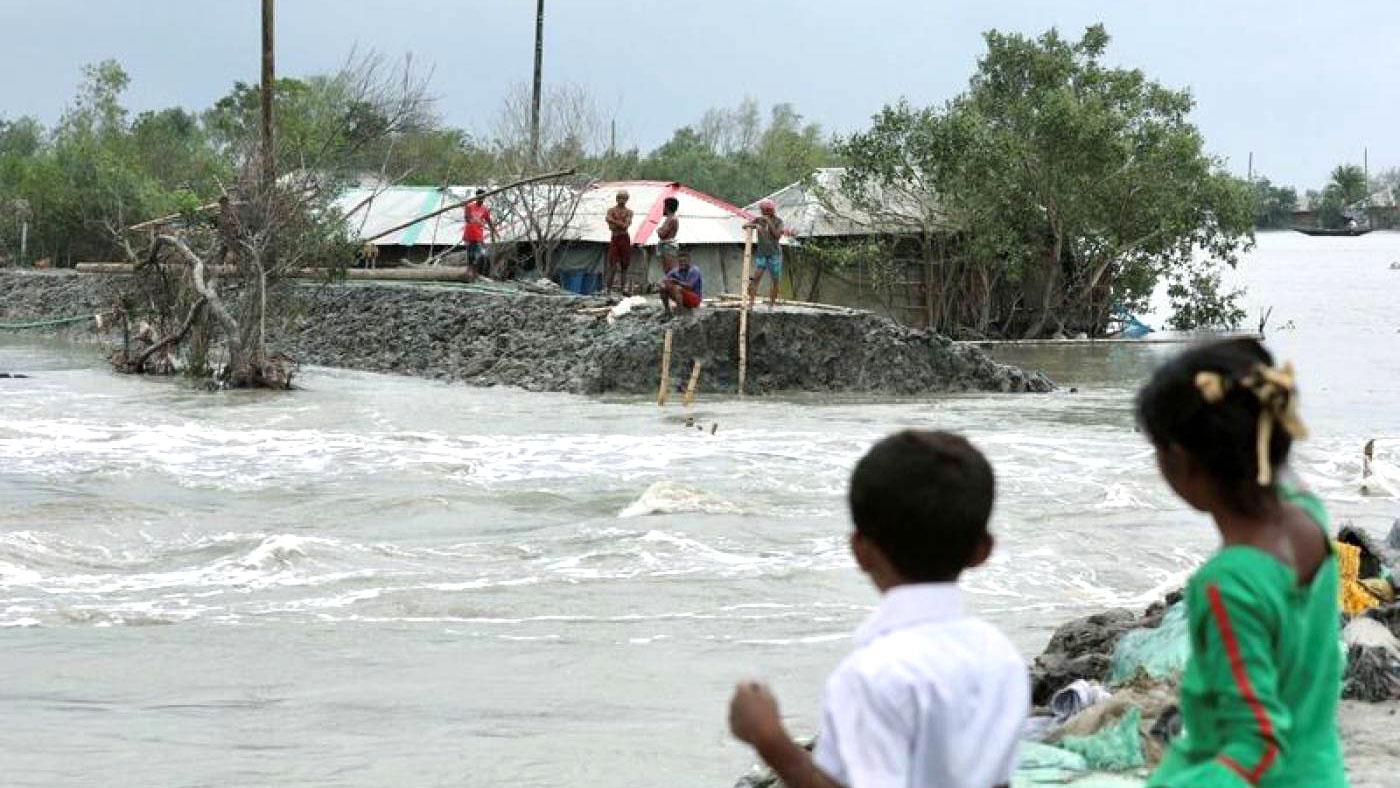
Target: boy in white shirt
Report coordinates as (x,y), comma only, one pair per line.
(930,696)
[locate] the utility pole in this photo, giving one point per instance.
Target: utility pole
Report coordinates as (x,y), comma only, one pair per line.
(1251,166)
(269,78)
(535,104)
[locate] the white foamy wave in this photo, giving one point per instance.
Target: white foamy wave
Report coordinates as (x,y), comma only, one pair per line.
(667,497)
(1383,481)
(614,554)
(1045,579)
(57,565)
(1120,496)
(21,623)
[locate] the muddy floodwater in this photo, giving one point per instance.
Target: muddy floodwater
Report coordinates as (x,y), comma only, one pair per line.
(387,581)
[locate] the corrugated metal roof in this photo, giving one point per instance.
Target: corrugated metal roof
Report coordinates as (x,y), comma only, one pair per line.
(817,208)
(369,211)
(704,219)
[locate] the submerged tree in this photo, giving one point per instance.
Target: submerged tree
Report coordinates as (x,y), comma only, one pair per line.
(1071,188)
(220,273)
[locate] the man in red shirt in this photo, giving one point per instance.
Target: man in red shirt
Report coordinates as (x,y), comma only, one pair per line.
(474,234)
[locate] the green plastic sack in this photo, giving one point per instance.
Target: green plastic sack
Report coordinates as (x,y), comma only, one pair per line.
(1117,747)
(1159,653)
(1035,755)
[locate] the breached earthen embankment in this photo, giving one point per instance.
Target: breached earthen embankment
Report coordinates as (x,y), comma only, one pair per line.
(558,342)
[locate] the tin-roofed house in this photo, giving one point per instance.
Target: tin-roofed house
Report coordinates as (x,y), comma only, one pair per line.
(369,210)
(711,233)
(860,251)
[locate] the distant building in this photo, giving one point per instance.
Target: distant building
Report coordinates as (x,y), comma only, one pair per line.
(824,219)
(817,208)
(711,233)
(1380,209)
(370,210)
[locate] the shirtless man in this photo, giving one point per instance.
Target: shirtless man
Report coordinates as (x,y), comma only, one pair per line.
(619,220)
(666,246)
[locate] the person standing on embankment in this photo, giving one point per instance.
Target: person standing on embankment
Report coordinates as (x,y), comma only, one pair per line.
(478,218)
(666,247)
(1260,692)
(619,219)
(768,254)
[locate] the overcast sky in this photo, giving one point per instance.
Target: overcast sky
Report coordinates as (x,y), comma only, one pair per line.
(1304,85)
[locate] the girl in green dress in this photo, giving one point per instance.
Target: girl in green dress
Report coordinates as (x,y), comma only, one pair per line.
(1259,695)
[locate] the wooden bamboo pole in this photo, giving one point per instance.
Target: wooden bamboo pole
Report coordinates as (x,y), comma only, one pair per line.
(665,390)
(744,312)
(694,381)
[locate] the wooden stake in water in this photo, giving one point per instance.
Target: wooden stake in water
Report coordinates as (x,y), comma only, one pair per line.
(665,390)
(694,381)
(744,311)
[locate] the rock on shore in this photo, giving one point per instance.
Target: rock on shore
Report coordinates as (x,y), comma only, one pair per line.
(558,342)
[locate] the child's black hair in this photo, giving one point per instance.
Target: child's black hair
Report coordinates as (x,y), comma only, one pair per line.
(1222,436)
(670,205)
(924,499)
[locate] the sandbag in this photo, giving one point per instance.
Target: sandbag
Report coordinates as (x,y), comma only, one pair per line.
(1034,755)
(1373,662)
(1355,597)
(1117,747)
(1158,653)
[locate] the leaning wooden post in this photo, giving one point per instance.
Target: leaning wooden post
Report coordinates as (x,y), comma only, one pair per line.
(744,311)
(694,381)
(665,390)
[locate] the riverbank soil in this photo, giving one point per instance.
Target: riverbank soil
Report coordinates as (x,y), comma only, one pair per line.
(559,342)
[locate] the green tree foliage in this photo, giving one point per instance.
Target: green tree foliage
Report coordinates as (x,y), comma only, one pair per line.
(731,154)
(1073,188)
(1342,200)
(77,183)
(1273,205)
(1349,182)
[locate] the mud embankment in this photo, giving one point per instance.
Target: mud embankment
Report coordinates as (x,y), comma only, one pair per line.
(556,342)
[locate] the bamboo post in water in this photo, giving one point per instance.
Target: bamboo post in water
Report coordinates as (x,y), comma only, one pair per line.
(744,311)
(694,381)
(665,389)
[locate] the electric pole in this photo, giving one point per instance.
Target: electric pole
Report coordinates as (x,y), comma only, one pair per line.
(269,78)
(535,103)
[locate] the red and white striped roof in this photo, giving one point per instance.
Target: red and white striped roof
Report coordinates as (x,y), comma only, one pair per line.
(705,219)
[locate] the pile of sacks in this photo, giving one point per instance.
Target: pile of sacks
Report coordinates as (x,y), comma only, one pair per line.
(1110,726)
(1105,689)
(1371,613)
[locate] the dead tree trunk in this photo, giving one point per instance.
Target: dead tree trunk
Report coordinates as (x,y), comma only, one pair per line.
(238,372)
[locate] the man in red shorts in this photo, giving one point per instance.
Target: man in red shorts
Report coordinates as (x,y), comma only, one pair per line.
(682,286)
(478,219)
(619,220)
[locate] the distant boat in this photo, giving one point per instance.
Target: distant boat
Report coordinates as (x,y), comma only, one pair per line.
(1342,232)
